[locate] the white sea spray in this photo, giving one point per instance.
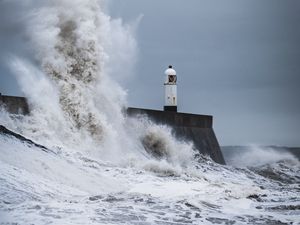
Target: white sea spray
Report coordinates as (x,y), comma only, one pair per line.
(102,167)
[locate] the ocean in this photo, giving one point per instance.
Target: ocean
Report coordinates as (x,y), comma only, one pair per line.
(78,159)
(60,186)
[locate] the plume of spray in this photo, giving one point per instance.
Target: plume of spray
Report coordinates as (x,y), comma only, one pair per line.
(74,98)
(69,40)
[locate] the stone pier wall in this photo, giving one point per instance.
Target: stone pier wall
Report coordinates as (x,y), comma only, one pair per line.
(14,105)
(189,127)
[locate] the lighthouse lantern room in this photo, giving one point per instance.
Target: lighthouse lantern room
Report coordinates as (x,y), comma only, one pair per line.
(170,90)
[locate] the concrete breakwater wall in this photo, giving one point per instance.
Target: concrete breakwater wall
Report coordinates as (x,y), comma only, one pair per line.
(189,127)
(14,105)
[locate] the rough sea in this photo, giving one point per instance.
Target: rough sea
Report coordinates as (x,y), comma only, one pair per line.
(78,159)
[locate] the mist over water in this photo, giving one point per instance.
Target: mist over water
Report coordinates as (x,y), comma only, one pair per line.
(253,155)
(100,167)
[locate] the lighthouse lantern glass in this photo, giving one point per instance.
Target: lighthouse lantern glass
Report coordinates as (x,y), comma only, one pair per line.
(172,78)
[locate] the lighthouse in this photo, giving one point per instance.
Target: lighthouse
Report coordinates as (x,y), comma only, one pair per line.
(170,90)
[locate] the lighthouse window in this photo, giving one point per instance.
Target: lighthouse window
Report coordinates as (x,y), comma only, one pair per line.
(172,79)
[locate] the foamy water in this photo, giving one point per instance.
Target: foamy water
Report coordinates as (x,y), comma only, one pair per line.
(99,167)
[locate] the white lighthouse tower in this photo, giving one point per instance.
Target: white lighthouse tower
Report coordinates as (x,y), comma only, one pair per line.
(170,90)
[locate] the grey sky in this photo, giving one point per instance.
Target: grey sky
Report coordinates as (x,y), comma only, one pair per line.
(236,60)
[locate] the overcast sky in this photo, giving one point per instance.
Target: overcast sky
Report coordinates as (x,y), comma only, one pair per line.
(236,60)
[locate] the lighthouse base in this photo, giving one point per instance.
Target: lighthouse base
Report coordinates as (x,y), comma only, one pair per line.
(170,108)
